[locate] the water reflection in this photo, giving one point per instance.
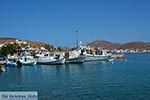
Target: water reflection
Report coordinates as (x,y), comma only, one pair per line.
(88,81)
(83,68)
(67,69)
(15,74)
(58,69)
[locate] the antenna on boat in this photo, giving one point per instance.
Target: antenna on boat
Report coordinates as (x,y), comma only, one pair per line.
(77,38)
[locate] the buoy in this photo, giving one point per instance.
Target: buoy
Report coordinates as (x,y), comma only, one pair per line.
(112,62)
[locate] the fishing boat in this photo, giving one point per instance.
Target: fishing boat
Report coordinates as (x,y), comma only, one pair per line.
(53,59)
(27,61)
(10,63)
(91,54)
(74,57)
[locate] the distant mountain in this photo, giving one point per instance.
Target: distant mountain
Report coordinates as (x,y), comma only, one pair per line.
(136,45)
(32,43)
(110,45)
(104,44)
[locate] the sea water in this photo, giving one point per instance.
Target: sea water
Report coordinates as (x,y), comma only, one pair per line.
(122,79)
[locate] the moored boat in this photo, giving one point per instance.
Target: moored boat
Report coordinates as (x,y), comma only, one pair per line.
(92,54)
(26,59)
(74,57)
(52,59)
(27,62)
(10,63)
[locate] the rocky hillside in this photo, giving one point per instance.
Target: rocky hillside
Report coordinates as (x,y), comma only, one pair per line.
(32,43)
(104,44)
(110,45)
(136,45)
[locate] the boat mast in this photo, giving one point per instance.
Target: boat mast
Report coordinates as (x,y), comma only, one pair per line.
(77,39)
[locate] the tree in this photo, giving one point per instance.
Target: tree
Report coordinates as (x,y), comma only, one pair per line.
(17,46)
(9,49)
(60,49)
(49,47)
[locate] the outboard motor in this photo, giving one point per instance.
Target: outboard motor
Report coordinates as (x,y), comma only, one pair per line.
(19,64)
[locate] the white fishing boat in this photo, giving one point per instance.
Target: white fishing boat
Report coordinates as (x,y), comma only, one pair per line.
(91,54)
(74,57)
(52,59)
(27,59)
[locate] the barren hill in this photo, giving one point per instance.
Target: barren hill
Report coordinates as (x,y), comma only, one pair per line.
(136,45)
(104,44)
(110,45)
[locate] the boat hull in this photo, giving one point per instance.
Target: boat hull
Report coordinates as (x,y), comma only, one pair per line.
(75,60)
(52,62)
(30,63)
(95,58)
(11,64)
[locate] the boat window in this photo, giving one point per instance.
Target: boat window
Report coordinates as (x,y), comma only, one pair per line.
(57,56)
(88,51)
(51,54)
(45,54)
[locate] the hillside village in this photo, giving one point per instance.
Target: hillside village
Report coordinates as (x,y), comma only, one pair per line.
(25,45)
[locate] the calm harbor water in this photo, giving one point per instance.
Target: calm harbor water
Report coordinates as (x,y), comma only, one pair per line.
(121,80)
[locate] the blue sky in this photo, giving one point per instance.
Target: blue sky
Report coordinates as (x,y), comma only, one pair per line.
(56,21)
